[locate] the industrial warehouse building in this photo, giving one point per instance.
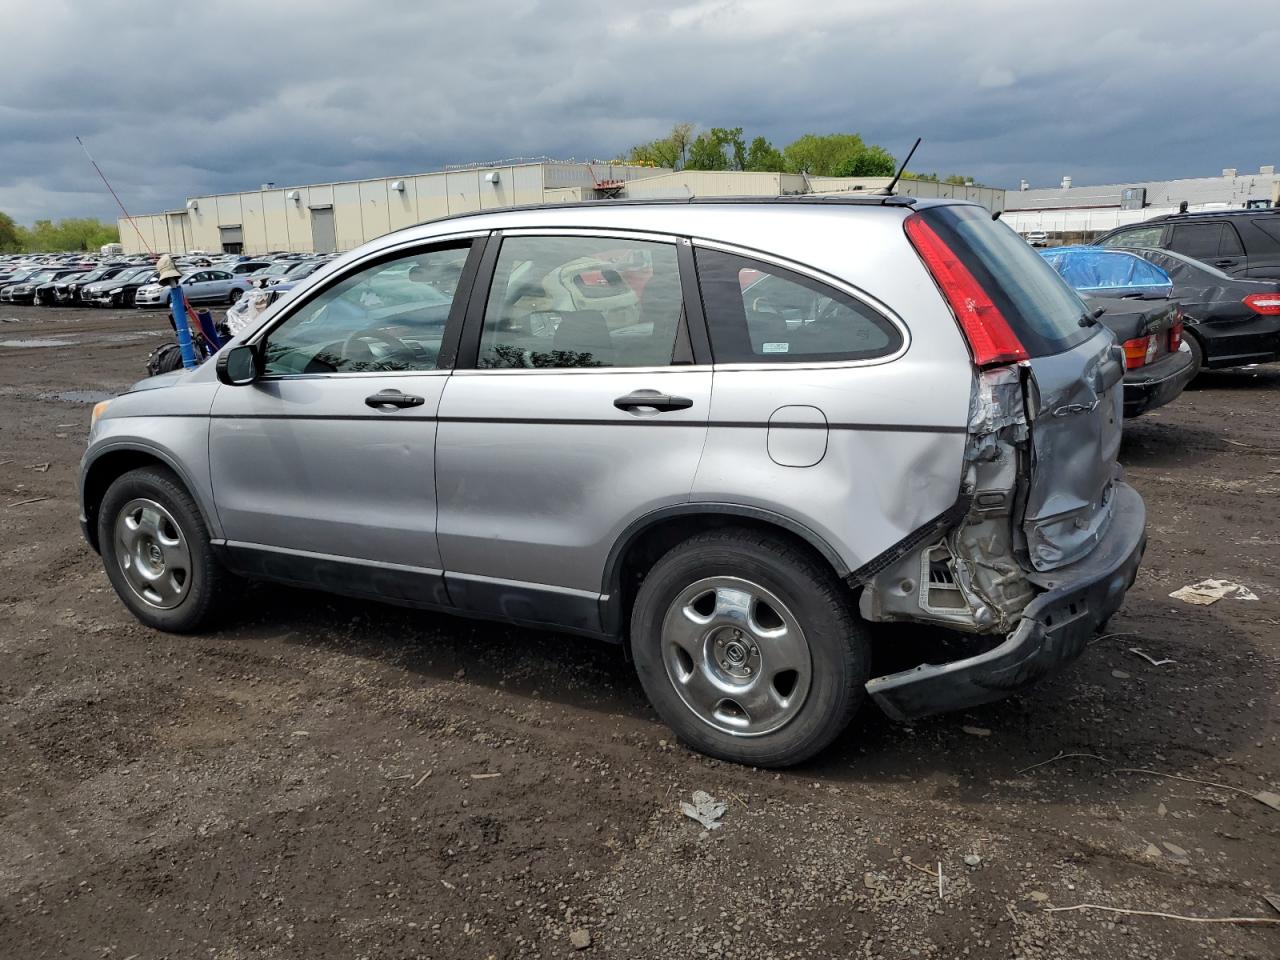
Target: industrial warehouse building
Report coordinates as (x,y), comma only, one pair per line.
(329,217)
(1082,212)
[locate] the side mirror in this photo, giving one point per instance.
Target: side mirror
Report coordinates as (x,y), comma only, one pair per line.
(238,365)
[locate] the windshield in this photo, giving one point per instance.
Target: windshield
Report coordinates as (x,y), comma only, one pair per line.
(42,277)
(1043,310)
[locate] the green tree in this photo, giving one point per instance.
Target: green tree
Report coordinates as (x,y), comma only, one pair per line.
(720,148)
(10,237)
(957,179)
(822,156)
(873,161)
(764,156)
(78,234)
(668,151)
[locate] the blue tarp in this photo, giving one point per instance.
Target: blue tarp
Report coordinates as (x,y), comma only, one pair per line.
(1103,272)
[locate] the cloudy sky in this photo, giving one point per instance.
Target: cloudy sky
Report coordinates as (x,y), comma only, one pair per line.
(177,99)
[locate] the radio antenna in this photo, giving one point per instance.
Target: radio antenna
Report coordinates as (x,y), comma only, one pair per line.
(94,163)
(888,191)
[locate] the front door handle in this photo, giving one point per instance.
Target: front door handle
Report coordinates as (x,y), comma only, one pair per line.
(393,398)
(654,399)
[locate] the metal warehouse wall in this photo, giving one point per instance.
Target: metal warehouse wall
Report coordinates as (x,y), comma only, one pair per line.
(713,183)
(993,198)
(295,218)
(1231,189)
(342,216)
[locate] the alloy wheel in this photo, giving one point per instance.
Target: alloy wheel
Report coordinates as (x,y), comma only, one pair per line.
(153,554)
(736,656)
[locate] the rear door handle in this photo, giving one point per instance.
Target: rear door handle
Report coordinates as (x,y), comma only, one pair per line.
(654,399)
(393,398)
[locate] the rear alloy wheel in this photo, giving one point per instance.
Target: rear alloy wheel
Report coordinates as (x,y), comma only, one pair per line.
(156,551)
(748,649)
(234,295)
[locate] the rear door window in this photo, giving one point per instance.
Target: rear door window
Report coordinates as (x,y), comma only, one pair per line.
(1206,240)
(562,302)
(761,313)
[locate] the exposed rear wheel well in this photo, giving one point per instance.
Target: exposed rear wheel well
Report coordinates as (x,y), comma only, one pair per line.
(104,471)
(647,547)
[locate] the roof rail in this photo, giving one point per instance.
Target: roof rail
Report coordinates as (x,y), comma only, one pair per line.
(862,200)
(1232,212)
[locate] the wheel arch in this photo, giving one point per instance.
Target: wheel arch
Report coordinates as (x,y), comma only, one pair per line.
(106,467)
(648,537)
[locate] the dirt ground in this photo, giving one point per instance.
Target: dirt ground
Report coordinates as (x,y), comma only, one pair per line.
(326,778)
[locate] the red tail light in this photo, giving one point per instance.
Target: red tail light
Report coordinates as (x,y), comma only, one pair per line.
(1139,352)
(1267,303)
(1175,333)
(991,339)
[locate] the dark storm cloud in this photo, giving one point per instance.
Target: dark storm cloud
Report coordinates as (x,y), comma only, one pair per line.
(178,99)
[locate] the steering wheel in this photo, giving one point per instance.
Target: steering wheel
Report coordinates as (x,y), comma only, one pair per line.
(373,333)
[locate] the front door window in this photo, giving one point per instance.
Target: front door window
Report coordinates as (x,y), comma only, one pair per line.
(386,317)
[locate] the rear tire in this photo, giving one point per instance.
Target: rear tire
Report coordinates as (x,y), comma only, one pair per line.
(1197,353)
(748,648)
(233,296)
(155,547)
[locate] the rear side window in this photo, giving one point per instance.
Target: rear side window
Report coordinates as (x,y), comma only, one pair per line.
(1039,305)
(1263,235)
(1205,240)
(761,313)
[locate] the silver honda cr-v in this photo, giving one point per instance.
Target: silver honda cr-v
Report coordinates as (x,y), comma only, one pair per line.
(727,434)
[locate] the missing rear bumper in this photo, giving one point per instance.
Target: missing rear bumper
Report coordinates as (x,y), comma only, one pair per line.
(1149,387)
(1053,630)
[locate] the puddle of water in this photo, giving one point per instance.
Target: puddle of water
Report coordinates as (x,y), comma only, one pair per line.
(37,342)
(136,335)
(79,396)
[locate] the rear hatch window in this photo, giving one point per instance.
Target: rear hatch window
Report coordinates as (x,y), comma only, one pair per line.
(1041,308)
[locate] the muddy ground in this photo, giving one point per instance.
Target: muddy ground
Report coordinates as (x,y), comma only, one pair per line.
(326,778)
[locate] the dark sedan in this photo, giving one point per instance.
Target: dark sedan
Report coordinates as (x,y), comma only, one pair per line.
(46,295)
(119,291)
(1136,301)
(24,291)
(1230,322)
(67,290)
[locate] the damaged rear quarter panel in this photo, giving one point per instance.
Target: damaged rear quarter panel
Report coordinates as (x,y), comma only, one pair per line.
(1075,400)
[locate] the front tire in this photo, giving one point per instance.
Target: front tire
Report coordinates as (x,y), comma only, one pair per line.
(157,554)
(748,648)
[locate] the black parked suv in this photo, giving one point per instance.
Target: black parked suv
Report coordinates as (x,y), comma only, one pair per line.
(1242,243)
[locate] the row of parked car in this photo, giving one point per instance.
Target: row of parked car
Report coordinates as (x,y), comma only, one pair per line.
(1182,294)
(119,282)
